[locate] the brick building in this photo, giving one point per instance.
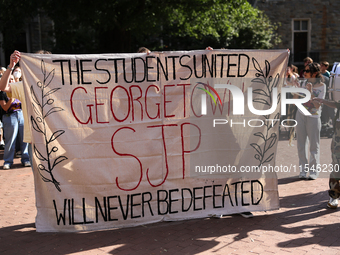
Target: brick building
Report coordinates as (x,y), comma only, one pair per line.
(308,28)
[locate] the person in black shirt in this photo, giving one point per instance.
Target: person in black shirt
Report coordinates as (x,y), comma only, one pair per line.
(13,126)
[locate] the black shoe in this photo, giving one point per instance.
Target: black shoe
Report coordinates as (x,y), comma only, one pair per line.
(247,215)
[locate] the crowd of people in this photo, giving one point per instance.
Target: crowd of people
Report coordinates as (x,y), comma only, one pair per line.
(314,77)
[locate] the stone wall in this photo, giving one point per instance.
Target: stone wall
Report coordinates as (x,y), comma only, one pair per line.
(325,24)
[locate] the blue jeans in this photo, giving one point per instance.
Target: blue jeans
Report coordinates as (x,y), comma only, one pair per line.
(13,126)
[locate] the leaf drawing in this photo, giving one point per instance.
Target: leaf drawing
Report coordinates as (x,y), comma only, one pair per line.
(42,108)
(268,140)
(38,154)
(257,66)
(258,80)
(260,135)
(261,101)
(52,110)
(34,97)
(58,160)
(56,134)
(270,158)
(35,109)
(43,69)
(256,147)
(260,92)
(35,125)
(267,68)
(275,82)
(49,78)
(51,91)
(271,141)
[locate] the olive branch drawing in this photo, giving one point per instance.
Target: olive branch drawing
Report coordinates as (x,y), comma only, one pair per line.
(42,109)
(270,139)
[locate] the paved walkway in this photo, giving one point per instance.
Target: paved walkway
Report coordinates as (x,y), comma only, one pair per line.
(303,225)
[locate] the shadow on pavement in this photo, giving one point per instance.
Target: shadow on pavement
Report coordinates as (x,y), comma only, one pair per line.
(288,180)
(184,237)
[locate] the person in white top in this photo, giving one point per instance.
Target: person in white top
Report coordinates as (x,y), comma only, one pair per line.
(309,126)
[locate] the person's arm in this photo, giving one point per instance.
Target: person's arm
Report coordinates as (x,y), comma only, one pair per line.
(316,103)
(4,81)
(329,103)
(5,105)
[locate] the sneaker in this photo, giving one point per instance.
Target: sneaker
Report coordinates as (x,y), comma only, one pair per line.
(302,177)
(333,203)
(6,166)
(313,177)
(27,164)
(216,216)
(247,215)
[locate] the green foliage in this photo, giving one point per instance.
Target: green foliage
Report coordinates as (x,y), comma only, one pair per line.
(87,26)
(225,24)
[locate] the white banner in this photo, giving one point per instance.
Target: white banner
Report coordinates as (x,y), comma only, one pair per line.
(122,139)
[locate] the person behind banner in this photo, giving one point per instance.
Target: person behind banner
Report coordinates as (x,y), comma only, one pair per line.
(2,143)
(309,126)
(324,66)
(334,177)
(13,126)
(17,77)
(144,50)
(292,76)
(291,80)
(306,62)
(17,90)
(327,112)
(2,71)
